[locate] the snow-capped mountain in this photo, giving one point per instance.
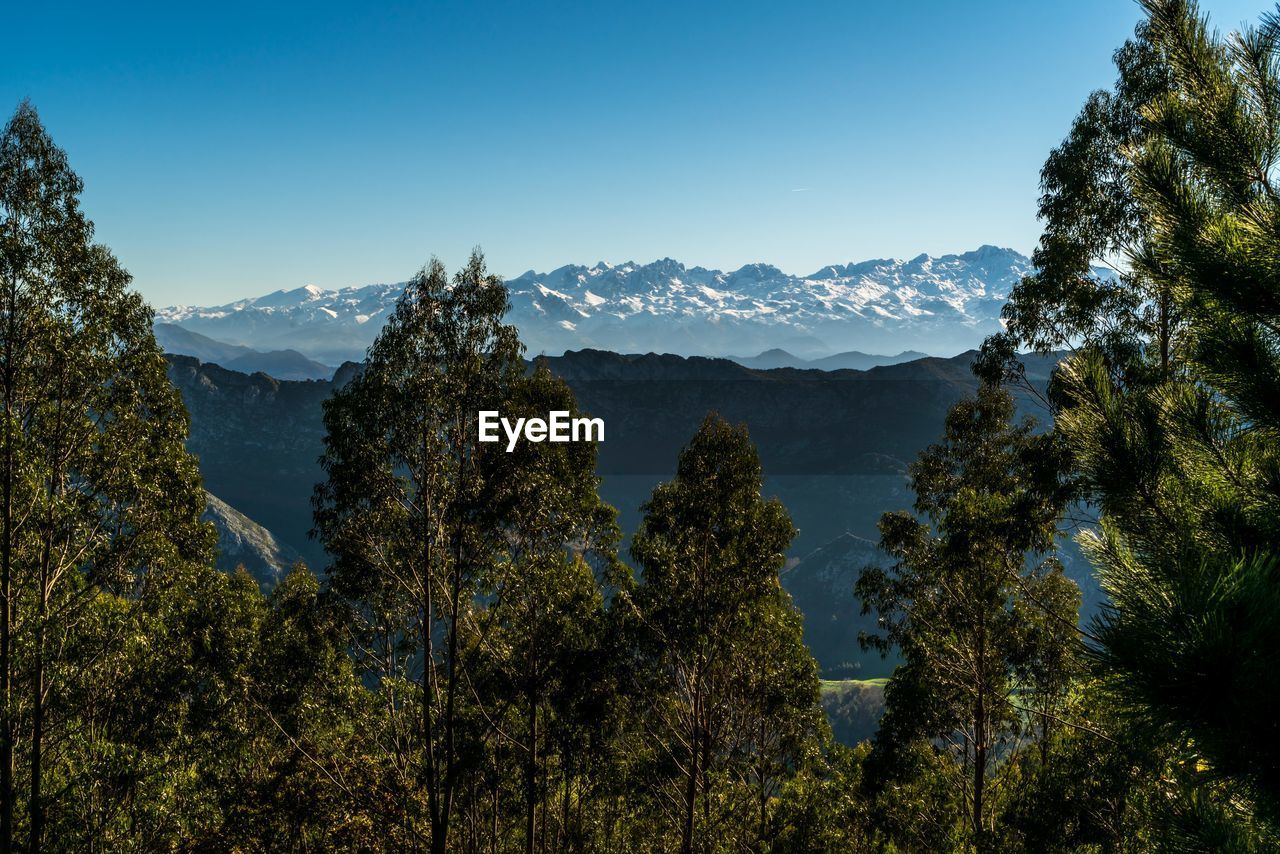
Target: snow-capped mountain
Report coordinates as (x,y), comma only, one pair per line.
(938,305)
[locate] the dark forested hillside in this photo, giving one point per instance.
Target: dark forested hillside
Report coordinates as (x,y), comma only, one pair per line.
(849,433)
(257,439)
(834,445)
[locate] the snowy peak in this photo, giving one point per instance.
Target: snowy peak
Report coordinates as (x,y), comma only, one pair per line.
(964,290)
(941,305)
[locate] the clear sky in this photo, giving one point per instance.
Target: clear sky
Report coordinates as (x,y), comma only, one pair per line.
(233,149)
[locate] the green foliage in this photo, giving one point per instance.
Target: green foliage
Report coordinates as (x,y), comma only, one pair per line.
(97,493)
(245,721)
(471,571)
(731,692)
(821,807)
(1176,442)
(988,644)
(1086,785)
(1093,218)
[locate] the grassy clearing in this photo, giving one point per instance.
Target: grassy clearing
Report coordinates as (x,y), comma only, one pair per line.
(839,686)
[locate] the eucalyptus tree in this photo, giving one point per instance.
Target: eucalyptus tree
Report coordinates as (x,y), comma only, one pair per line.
(1095,283)
(436,535)
(777,727)
(543,623)
(982,635)
(97,491)
(716,638)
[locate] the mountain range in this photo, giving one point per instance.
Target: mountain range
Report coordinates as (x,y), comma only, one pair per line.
(938,305)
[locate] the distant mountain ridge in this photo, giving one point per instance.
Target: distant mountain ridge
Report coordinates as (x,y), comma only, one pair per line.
(939,305)
(853,360)
(280,364)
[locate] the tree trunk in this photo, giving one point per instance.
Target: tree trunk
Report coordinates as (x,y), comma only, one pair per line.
(440,821)
(980,746)
(428,734)
(530,781)
(764,793)
(979,782)
(6,591)
(36,805)
(691,784)
(565,800)
(706,778)
(546,788)
(497,764)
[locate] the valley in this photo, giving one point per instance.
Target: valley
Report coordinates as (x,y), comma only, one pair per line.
(835,446)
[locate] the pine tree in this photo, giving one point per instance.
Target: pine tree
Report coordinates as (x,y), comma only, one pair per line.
(1175,444)
(1184,471)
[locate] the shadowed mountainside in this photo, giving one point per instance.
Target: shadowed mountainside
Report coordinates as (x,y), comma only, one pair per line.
(842,435)
(281,364)
(257,439)
(835,447)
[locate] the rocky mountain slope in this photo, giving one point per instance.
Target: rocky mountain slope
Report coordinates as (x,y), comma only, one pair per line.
(939,305)
(257,439)
(243,542)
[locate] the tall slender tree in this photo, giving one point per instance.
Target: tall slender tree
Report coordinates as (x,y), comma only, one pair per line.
(408,510)
(961,604)
(96,488)
(430,528)
(714,636)
(545,615)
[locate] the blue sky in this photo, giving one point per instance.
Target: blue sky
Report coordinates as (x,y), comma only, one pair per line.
(229,150)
